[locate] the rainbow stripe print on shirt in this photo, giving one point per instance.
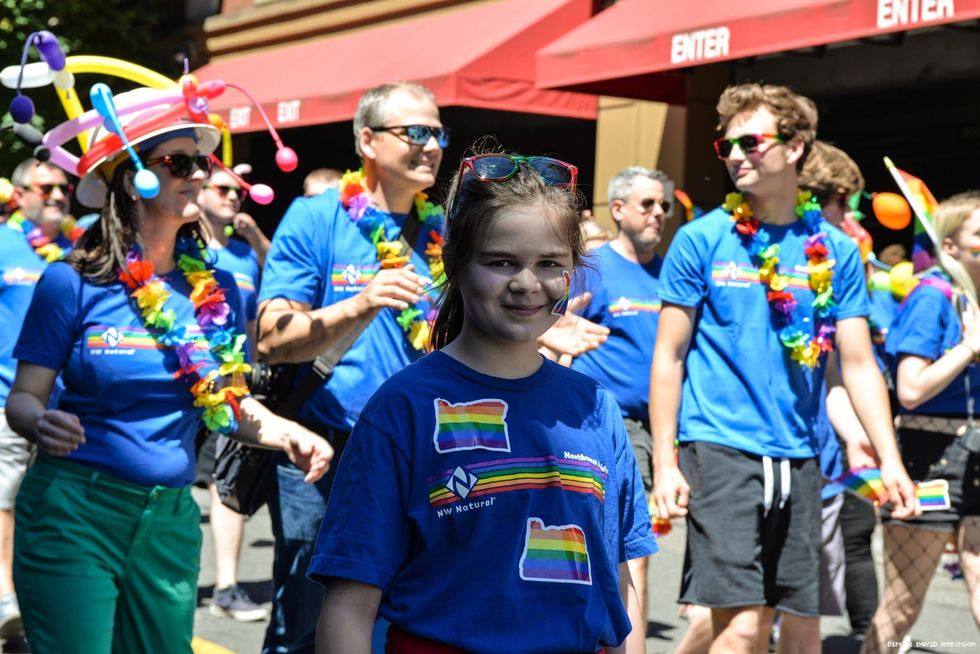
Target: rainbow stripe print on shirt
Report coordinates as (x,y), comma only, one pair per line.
(349,274)
(626,306)
(244,282)
(103,338)
(556,554)
(730,273)
(479,425)
(518,474)
(18,276)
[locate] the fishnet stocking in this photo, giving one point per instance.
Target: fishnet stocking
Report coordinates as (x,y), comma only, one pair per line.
(968,542)
(911,557)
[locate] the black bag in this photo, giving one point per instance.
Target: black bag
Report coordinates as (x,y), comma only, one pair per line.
(242,475)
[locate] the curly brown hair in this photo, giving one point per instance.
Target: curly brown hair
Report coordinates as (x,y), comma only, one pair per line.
(796,115)
(830,173)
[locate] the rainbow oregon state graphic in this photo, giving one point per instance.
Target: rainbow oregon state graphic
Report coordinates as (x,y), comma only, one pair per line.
(479,425)
(555,554)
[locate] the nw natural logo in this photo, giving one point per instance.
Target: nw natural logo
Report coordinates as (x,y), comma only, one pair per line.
(112,337)
(732,270)
(351,274)
(461,482)
(624,304)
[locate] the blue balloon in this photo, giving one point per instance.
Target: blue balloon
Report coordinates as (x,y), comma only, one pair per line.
(21,109)
(147,184)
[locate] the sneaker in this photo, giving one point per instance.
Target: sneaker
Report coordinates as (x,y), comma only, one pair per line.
(233,602)
(10,623)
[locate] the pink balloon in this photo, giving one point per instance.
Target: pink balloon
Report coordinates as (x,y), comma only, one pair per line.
(261,193)
(58,136)
(286,159)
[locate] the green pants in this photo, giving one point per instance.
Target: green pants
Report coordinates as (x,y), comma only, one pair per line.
(103,565)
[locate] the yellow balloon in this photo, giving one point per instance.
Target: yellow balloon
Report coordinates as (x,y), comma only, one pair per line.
(105,66)
(903,279)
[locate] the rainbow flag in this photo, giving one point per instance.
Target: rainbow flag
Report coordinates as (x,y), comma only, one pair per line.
(561,306)
(555,554)
(865,483)
(479,425)
(933,495)
(921,194)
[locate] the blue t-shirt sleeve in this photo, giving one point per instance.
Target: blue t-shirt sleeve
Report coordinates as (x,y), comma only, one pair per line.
(851,288)
(636,534)
(682,279)
(365,532)
(48,335)
(293,268)
(915,330)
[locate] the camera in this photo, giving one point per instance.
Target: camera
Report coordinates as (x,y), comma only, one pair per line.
(270,384)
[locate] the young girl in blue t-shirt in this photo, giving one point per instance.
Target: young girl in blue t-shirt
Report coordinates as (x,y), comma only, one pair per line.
(488,499)
(933,345)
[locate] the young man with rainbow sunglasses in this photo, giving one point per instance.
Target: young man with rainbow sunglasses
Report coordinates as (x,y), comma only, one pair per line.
(755,294)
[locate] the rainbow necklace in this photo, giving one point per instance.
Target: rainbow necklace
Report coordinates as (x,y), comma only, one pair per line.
(794,333)
(44,247)
(415,321)
(217,397)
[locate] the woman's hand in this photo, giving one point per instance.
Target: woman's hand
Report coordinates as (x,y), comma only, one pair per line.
(59,433)
(309,452)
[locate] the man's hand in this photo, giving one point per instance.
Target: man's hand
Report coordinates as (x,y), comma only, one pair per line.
(395,288)
(573,335)
(860,452)
(245,225)
(308,452)
(671,492)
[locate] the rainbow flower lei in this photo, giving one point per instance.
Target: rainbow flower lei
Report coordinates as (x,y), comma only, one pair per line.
(219,401)
(417,319)
(44,247)
(794,333)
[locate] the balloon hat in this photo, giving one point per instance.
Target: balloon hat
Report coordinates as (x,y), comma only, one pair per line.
(126,121)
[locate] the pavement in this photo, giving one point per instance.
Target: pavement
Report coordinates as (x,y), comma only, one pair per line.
(945,626)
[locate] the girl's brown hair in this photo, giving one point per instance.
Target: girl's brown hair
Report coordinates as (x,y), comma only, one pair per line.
(473,204)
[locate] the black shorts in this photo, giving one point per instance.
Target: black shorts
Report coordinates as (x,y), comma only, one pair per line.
(739,552)
(642,441)
(206,455)
(929,456)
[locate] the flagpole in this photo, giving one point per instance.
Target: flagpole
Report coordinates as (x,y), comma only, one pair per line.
(917,209)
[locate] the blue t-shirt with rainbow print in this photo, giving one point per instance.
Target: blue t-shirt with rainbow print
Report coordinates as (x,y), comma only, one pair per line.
(20,270)
(741,389)
(513,499)
(626,299)
(139,421)
(239,259)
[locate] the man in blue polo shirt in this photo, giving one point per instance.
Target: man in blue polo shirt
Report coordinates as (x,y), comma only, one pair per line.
(20,269)
(755,294)
(323,282)
(625,298)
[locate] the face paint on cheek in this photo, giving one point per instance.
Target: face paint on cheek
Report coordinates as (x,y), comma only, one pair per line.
(975,252)
(561,306)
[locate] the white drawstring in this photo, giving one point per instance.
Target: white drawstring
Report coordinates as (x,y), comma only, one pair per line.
(784,482)
(768,485)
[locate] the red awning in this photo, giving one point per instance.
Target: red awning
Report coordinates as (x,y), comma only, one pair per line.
(481,56)
(636,47)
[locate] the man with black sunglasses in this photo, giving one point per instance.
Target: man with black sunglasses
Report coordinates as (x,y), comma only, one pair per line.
(625,298)
(41,191)
(326,292)
(755,294)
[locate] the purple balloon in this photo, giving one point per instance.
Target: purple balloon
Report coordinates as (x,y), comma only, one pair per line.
(21,109)
(47,44)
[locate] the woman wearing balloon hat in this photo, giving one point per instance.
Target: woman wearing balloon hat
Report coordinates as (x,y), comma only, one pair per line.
(150,343)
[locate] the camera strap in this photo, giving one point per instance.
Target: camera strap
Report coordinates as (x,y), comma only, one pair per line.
(324,363)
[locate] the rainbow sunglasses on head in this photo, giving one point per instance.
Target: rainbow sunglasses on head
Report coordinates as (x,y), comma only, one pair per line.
(501,167)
